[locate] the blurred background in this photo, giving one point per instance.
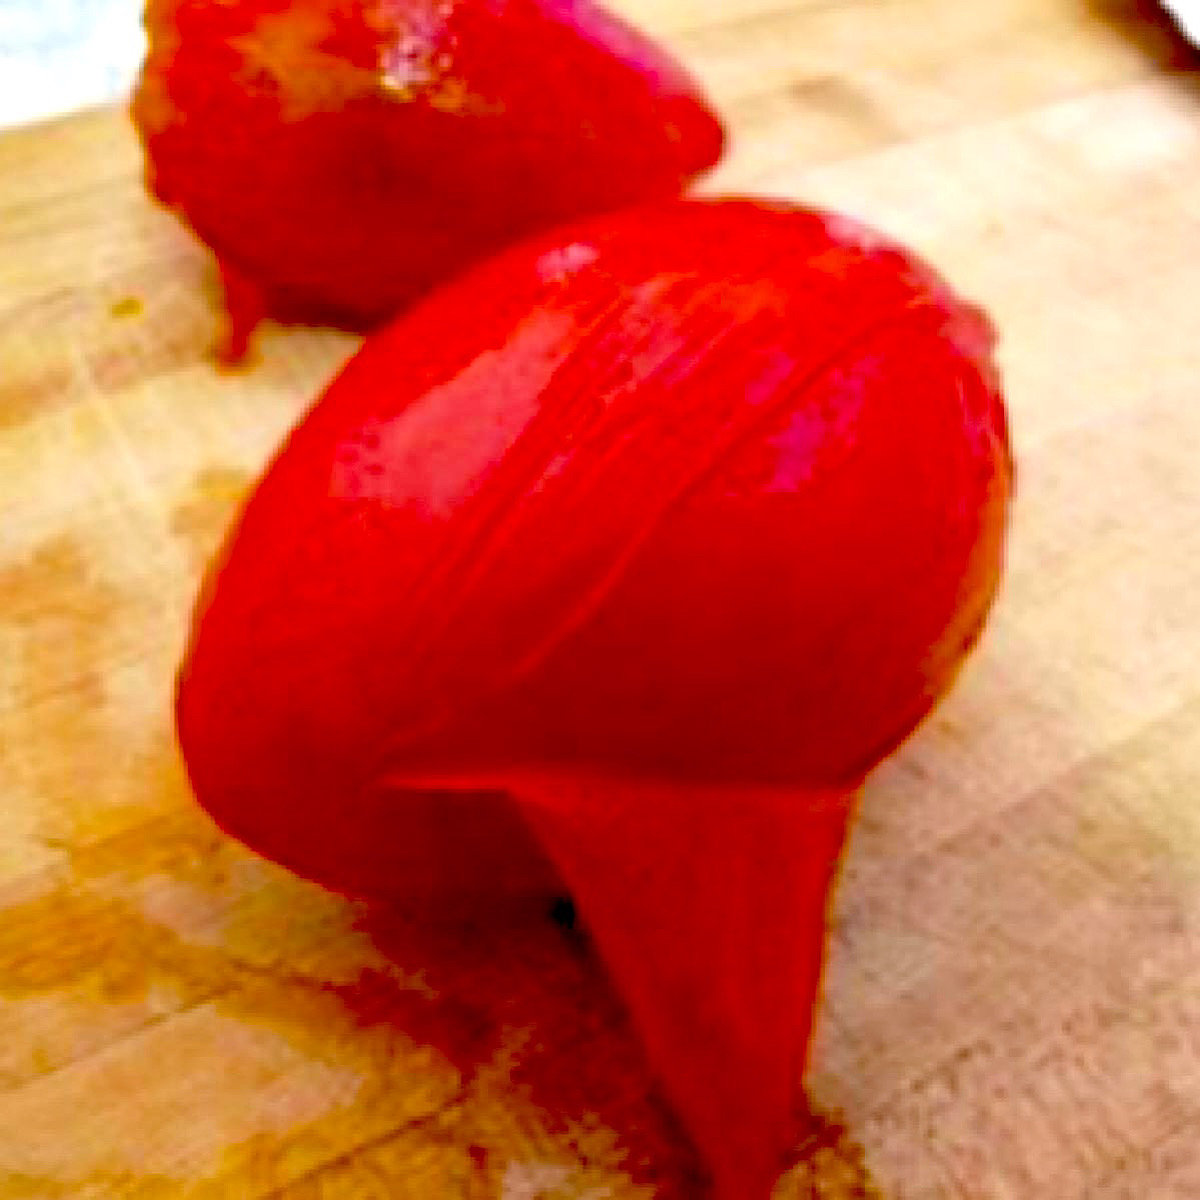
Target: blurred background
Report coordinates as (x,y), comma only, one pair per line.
(1187,13)
(60,55)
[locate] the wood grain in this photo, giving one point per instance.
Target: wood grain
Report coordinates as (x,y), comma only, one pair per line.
(1013,999)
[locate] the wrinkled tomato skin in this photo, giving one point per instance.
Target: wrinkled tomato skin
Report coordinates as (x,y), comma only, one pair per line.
(620,586)
(342,158)
(702,489)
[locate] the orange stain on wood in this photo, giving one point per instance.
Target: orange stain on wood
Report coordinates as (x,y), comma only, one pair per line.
(36,392)
(65,621)
(201,519)
(126,306)
(496,1032)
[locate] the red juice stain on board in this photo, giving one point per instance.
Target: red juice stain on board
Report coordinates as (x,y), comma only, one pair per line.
(515,1003)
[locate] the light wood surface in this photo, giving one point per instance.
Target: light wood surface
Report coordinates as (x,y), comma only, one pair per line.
(1013,998)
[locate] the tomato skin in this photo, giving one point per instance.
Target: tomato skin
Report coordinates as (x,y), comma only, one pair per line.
(343,158)
(614,566)
(711,488)
(706,488)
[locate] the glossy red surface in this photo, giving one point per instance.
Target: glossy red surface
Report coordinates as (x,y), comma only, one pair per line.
(341,158)
(708,904)
(701,504)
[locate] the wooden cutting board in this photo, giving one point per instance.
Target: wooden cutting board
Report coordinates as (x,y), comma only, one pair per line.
(1013,999)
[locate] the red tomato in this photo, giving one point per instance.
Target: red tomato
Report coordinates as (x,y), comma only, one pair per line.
(668,526)
(341,158)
